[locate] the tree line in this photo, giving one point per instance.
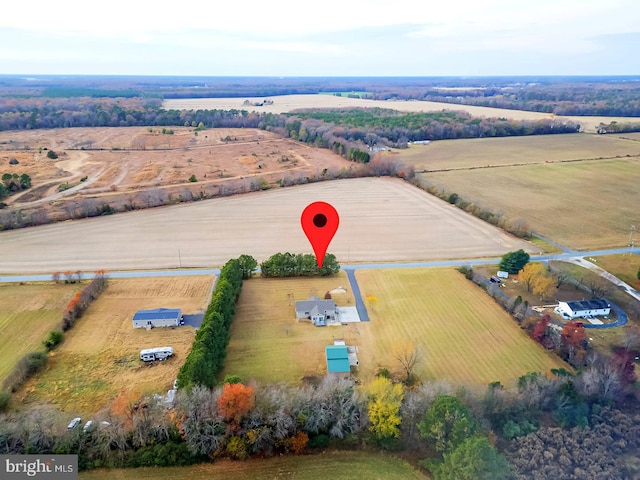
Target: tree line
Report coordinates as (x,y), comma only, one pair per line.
(206,358)
(542,428)
(298,265)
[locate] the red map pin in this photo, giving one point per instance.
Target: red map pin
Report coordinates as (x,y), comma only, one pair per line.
(320,223)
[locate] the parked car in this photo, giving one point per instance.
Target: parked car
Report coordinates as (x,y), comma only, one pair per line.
(74,423)
(87,425)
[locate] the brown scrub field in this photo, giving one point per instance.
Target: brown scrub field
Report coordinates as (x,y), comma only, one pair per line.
(381,219)
(27,314)
(125,165)
(584,205)
(269,345)
(463,336)
(98,365)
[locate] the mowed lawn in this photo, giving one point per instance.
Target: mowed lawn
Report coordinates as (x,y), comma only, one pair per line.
(624,266)
(27,314)
(268,344)
(98,365)
(584,205)
(465,337)
(483,152)
(335,465)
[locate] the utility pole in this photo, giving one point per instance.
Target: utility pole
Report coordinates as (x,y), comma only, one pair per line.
(632,230)
(179,259)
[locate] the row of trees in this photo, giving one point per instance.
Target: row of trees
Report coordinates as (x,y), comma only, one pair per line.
(547,422)
(206,358)
(298,265)
(517,226)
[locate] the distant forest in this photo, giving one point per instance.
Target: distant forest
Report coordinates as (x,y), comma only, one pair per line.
(586,95)
(79,101)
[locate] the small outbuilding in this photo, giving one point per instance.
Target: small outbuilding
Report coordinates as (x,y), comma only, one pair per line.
(158,317)
(587,308)
(337,359)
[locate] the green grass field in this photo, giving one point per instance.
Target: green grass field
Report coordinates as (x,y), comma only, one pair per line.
(267,344)
(27,314)
(584,205)
(335,465)
(482,152)
(465,337)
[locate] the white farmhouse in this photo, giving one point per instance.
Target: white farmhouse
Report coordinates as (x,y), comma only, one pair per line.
(587,308)
(320,312)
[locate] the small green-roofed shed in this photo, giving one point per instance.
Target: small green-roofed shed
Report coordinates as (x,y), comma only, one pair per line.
(337,359)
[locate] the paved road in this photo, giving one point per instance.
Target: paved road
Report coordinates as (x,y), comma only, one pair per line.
(567,255)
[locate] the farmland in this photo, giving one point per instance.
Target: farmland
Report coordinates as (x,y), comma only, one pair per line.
(492,152)
(381,219)
(268,344)
(589,204)
(339,465)
(27,314)
(97,365)
(288,103)
(464,336)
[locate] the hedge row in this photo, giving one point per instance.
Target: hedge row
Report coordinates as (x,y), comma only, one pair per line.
(298,265)
(206,359)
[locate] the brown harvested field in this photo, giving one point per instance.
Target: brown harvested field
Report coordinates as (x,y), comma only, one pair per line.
(381,219)
(269,345)
(584,205)
(491,152)
(288,103)
(98,365)
(119,163)
(27,314)
(465,338)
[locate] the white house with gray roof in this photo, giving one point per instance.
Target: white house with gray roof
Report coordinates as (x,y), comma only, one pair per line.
(320,312)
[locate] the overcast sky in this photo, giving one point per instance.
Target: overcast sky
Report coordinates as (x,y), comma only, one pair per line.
(325,38)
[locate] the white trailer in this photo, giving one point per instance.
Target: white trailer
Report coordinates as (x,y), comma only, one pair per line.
(158,353)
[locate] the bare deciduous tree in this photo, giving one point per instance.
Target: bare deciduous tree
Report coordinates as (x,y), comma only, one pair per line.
(408,355)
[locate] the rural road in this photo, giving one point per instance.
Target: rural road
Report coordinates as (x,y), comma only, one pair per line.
(568,256)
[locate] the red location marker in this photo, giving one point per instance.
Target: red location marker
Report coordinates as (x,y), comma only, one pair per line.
(320,223)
